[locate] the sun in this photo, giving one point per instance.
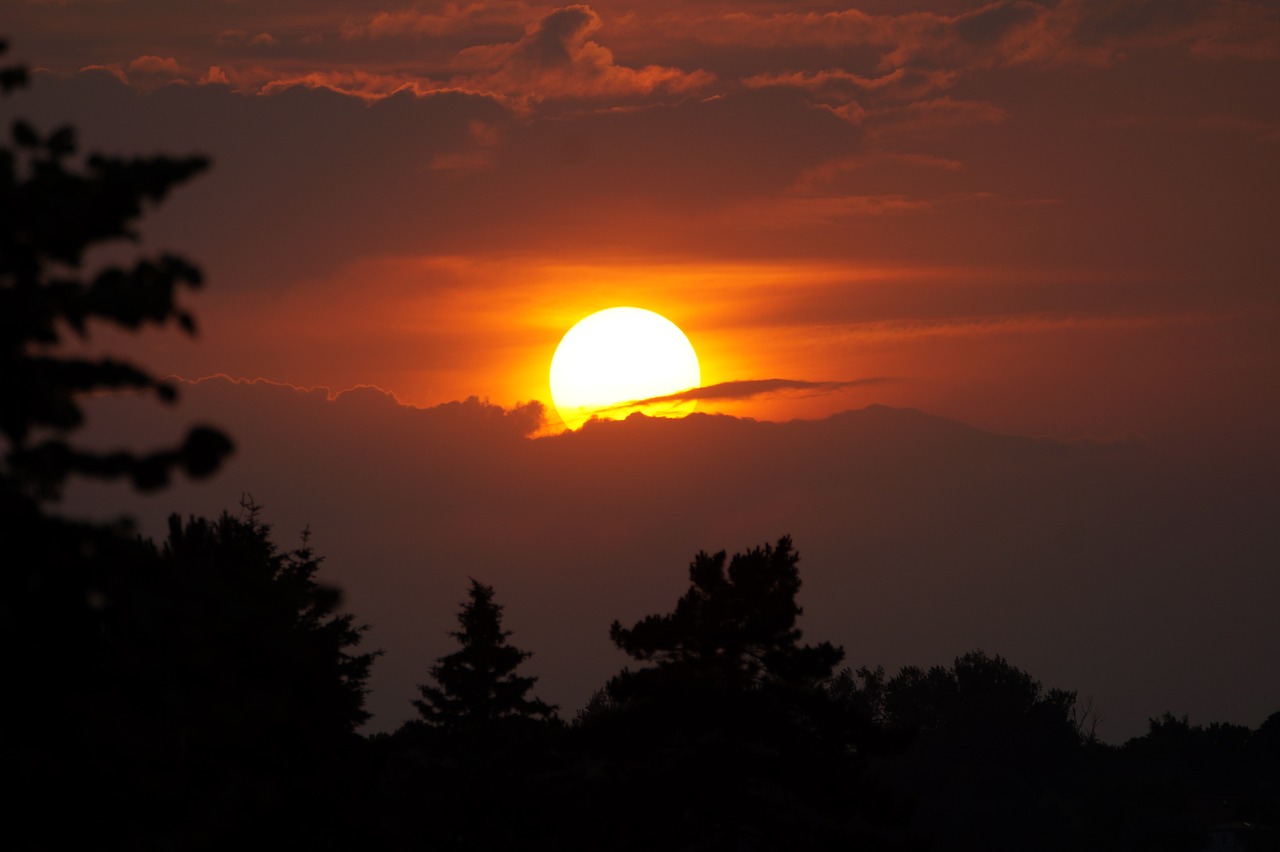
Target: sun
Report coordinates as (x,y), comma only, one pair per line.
(621,356)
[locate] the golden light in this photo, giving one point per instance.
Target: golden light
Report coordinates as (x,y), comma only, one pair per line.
(620,356)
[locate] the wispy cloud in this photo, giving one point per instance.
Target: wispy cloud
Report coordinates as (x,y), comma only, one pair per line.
(558,58)
(452,19)
(750,389)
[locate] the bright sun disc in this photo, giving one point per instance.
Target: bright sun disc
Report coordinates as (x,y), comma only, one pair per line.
(620,356)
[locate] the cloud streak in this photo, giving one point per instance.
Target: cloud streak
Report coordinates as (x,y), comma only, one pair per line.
(743,389)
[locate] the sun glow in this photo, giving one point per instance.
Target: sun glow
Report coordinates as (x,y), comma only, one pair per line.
(621,356)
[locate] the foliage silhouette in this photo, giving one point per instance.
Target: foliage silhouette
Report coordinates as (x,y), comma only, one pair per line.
(978,693)
(172,697)
(475,765)
(268,688)
(734,629)
(478,684)
(990,757)
(179,696)
(290,649)
(1168,788)
(51,213)
(728,740)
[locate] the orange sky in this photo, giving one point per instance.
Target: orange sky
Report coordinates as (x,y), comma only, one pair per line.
(1052,218)
(1035,216)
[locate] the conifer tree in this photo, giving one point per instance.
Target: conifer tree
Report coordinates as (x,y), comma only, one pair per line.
(478,684)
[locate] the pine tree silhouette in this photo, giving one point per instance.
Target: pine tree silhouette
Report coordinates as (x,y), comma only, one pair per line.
(478,685)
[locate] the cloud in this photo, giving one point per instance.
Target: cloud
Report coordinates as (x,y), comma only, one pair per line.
(1019,325)
(903,83)
(1001,34)
(114,70)
(453,18)
(813,179)
(365,85)
(215,75)
(1240,31)
(934,115)
(751,388)
(1087,32)
(817,81)
(995,21)
(156,65)
(807,211)
(900,101)
(556,58)
(932,44)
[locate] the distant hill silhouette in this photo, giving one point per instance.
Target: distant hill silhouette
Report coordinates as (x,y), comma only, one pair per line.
(923,536)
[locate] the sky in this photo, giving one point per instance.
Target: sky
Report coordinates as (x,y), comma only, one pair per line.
(984,296)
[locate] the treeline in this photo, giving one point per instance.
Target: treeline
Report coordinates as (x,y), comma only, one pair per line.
(206,691)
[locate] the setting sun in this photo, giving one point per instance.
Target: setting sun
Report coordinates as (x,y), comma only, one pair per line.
(621,356)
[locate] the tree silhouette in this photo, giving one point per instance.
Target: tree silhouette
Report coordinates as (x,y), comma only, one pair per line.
(727,740)
(271,634)
(180,695)
(478,684)
(176,696)
(473,766)
(230,688)
(734,629)
(51,213)
(994,758)
(977,695)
